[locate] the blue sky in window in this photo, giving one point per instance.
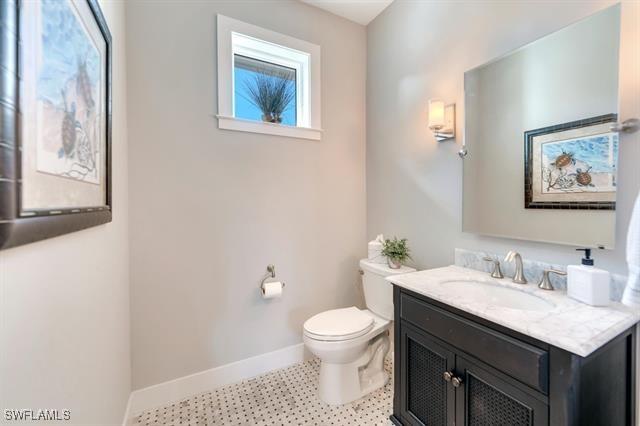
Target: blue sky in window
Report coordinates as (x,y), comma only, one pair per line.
(245,109)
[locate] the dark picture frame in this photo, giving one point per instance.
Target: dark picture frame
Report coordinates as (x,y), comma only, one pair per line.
(19,226)
(529,136)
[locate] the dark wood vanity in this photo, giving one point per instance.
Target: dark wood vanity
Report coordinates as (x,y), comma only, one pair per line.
(453,368)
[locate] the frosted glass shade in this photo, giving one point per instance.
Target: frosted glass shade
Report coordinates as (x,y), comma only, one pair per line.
(436,114)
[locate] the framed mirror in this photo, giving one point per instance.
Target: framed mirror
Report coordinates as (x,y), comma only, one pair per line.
(541,161)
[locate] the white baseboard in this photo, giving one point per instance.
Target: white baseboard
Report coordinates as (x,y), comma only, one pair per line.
(183,387)
(127,411)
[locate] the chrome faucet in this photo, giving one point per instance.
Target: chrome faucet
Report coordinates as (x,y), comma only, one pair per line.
(518,277)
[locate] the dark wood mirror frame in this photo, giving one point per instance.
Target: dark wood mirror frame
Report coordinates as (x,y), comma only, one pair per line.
(16,228)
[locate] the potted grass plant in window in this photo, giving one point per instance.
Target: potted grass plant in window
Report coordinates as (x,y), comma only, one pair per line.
(272,92)
(396,252)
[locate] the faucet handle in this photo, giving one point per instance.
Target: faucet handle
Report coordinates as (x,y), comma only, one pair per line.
(545,283)
(497,272)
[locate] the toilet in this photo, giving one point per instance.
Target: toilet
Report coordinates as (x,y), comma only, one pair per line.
(352,343)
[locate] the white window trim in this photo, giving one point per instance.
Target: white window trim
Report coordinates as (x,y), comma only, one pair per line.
(285,50)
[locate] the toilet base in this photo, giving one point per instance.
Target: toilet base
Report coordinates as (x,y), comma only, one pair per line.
(343,383)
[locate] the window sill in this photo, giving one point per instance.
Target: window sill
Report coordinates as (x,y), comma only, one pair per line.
(240,125)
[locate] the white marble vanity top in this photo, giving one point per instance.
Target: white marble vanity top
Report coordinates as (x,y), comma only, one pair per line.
(567,324)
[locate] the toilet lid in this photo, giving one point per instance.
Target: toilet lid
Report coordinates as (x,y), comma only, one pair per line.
(338,324)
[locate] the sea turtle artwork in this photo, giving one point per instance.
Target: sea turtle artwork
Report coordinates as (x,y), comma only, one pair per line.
(583,178)
(69,81)
(585,164)
(69,126)
(83,84)
(564,159)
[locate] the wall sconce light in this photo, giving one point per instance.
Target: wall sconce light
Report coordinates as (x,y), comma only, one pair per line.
(442,119)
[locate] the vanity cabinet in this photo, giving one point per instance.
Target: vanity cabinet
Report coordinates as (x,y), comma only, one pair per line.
(452,368)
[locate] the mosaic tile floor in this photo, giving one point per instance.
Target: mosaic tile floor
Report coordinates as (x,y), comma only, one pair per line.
(281,397)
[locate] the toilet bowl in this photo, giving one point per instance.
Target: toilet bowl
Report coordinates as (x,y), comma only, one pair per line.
(351,360)
(352,343)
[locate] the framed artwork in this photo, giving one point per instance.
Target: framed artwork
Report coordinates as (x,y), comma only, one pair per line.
(572,165)
(55,119)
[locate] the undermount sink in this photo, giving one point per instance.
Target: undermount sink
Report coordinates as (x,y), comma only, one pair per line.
(498,295)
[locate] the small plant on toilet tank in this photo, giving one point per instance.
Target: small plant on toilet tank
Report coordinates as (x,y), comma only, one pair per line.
(396,251)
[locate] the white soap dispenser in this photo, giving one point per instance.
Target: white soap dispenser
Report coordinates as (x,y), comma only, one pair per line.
(588,284)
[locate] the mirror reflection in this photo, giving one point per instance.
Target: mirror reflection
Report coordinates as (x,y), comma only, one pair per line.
(542,159)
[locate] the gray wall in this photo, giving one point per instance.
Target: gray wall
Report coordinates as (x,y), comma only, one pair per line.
(211,208)
(64,302)
(420,50)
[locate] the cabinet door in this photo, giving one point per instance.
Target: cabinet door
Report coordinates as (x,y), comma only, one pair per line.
(484,399)
(426,398)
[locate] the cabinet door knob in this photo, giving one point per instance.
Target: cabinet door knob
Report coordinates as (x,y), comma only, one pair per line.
(456,382)
(448,375)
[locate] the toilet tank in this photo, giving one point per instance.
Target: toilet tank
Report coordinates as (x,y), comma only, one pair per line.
(378,292)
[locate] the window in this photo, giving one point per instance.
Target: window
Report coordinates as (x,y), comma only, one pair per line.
(267,82)
(251,78)
(261,69)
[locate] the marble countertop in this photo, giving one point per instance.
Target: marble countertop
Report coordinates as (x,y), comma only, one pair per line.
(569,324)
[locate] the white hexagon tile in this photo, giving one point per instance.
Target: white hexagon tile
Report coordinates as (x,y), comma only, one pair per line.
(282,397)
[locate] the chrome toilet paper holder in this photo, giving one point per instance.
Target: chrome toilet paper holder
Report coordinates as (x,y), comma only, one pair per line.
(271,273)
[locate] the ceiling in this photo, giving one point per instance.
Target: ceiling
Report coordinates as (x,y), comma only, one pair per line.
(360,11)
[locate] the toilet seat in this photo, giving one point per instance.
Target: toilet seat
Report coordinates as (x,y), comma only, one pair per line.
(338,324)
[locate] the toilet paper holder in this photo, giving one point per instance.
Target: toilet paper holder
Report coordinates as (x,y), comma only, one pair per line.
(271,273)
